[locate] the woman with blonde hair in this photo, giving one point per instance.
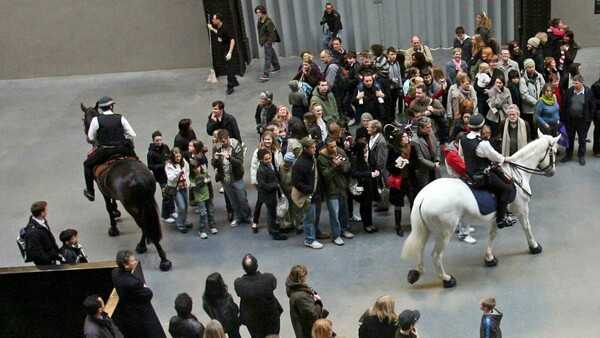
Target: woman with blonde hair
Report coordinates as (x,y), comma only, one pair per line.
(214,329)
(382,321)
(322,328)
(285,120)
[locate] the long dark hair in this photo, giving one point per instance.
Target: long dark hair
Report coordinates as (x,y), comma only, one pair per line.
(215,290)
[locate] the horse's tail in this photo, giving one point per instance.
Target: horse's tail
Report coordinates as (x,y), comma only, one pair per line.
(415,243)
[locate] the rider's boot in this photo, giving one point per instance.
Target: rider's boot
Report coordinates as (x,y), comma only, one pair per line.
(88,192)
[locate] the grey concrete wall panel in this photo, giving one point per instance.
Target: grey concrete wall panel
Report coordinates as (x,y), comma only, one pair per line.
(389,22)
(579,15)
(74,37)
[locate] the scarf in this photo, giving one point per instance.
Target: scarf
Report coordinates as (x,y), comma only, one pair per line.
(549,101)
(457,65)
(521,136)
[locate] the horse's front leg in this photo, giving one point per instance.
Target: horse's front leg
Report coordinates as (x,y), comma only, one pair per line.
(112,231)
(523,216)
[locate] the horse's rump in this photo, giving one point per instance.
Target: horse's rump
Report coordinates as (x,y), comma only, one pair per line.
(108,164)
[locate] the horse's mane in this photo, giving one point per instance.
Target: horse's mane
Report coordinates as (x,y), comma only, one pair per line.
(532,147)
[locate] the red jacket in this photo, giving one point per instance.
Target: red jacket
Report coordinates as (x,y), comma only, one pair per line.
(453,159)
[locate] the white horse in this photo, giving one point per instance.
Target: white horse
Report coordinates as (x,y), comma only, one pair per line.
(443,203)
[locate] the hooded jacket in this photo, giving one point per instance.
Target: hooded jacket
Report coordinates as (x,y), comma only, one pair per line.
(335,179)
(304,310)
(490,325)
(157,156)
(327,101)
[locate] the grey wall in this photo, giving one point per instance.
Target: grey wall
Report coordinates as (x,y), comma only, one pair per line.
(389,22)
(75,37)
(579,15)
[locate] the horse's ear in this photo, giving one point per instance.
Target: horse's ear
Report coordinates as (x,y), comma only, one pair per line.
(555,139)
(539,133)
(83,108)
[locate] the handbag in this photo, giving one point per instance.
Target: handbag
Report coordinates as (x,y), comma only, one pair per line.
(305,88)
(282,204)
(172,191)
(302,200)
(564,137)
(354,188)
(395,181)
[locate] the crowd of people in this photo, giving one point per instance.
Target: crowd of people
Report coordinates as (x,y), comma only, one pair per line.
(488,102)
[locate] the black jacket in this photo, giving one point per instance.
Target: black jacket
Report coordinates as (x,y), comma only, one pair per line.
(134,314)
(303,176)
(228,122)
(188,327)
(589,106)
(271,111)
(40,243)
(226,312)
(333,21)
(72,255)
(182,142)
(371,327)
(268,184)
(100,328)
(157,156)
(258,305)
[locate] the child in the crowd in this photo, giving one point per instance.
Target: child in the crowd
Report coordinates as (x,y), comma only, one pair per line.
(483,77)
(297,99)
(314,131)
(292,219)
(268,188)
(197,151)
(368,66)
(490,321)
(71,252)
(201,188)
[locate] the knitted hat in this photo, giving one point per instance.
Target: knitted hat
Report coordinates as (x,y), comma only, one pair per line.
(289,157)
(528,62)
(105,101)
(307,142)
(366,116)
(476,121)
(408,318)
(535,42)
(67,234)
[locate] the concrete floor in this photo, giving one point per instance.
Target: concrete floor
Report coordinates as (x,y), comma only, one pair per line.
(551,294)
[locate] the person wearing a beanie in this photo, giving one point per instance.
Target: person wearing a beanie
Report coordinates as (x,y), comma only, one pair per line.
(530,88)
(536,53)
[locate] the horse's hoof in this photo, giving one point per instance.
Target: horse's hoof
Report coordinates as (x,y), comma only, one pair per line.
(449,283)
(141,249)
(113,231)
(116,213)
(413,276)
(535,251)
(491,263)
(165,265)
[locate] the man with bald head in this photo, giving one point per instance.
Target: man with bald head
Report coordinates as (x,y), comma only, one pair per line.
(417,47)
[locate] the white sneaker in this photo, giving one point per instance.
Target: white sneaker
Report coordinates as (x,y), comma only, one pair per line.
(234,223)
(468,239)
(351,122)
(214,231)
(174,215)
(313,245)
(168,220)
(203,235)
(338,241)
(221,190)
(347,234)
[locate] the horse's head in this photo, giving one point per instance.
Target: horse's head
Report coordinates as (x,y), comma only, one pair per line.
(88,114)
(548,163)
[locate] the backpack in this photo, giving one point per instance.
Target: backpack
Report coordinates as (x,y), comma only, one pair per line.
(22,244)
(341,78)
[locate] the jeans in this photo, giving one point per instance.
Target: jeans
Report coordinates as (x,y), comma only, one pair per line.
(239,199)
(206,211)
(181,201)
(270,58)
(168,206)
(308,222)
(338,215)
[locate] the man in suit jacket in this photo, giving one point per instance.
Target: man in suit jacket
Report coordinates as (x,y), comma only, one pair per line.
(259,309)
(134,314)
(41,246)
(426,153)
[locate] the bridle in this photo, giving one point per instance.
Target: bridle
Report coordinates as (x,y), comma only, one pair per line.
(546,171)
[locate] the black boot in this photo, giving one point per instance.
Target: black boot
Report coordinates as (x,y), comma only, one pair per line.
(398,221)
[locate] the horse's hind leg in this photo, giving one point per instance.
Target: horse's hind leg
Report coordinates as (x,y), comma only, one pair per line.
(115,208)
(165,264)
(141,246)
(437,254)
(112,231)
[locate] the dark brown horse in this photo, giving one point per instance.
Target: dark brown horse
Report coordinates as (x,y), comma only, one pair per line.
(132,183)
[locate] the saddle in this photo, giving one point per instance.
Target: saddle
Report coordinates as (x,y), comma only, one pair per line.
(486,200)
(99,169)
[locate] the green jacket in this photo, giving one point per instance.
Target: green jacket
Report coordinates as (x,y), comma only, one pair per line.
(285,179)
(304,310)
(266,31)
(335,179)
(330,111)
(199,188)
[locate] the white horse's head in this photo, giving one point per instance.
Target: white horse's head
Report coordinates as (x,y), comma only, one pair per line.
(548,162)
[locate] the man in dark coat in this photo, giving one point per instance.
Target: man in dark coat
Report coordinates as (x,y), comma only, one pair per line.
(259,309)
(134,313)
(577,111)
(158,154)
(97,323)
(265,111)
(334,24)
(40,243)
(219,119)
(185,324)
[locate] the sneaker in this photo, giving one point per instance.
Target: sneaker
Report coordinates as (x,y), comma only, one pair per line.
(351,122)
(355,219)
(168,220)
(276,70)
(229,91)
(468,239)
(183,230)
(264,77)
(471,230)
(234,223)
(89,195)
(221,191)
(347,234)
(214,231)
(203,235)
(323,235)
(338,241)
(313,245)
(174,215)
